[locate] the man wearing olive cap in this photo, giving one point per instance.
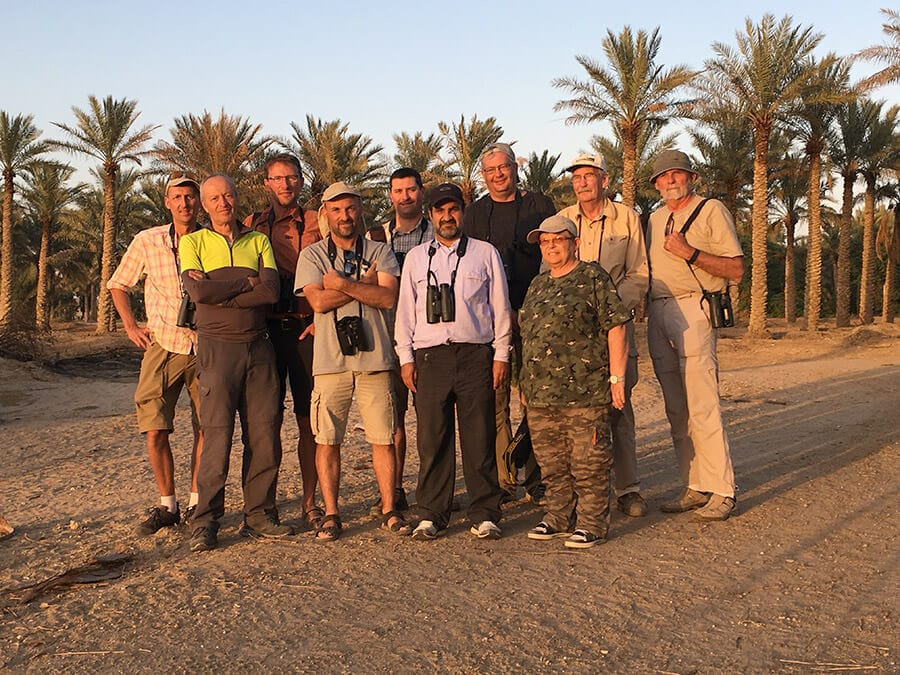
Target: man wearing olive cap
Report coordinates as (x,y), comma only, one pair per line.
(681,339)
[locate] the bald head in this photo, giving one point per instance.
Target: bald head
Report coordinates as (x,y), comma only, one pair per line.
(218,195)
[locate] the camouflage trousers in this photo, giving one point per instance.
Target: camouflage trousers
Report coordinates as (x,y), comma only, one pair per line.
(573,449)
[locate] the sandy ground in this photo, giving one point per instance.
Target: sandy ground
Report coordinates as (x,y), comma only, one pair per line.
(803,579)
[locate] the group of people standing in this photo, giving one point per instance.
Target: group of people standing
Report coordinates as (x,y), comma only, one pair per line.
(446,306)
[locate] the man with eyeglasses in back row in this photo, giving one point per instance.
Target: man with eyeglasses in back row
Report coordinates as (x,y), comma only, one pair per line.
(291,228)
(504,217)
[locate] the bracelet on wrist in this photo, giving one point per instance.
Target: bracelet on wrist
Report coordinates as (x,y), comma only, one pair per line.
(694,256)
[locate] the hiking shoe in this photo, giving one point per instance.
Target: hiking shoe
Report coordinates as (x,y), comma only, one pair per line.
(542,532)
(536,494)
(583,539)
(188,514)
(204,539)
(632,504)
(266,527)
(486,530)
(717,508)
(425,531)
(160,517)
(688,501)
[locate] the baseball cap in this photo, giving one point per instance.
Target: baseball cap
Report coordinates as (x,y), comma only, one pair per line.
(595,161)
(443,192)
(181,178)
(671,159)
(553,225)
(500,147)
(339,189)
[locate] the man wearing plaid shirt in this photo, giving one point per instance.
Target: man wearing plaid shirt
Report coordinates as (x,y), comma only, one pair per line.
(169,351)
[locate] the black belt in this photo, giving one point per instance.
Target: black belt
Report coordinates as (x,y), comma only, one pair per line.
(289,323)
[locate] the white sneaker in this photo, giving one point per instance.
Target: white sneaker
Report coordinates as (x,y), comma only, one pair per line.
(486,530)
(425,531)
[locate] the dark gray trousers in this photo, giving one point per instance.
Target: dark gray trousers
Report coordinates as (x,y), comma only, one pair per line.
(237,377)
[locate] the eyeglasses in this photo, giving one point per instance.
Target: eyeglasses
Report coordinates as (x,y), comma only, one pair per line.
(547,241)
(502,168)
(293,178)
(350,263)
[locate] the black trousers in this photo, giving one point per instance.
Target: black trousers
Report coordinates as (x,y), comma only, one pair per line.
(456,376)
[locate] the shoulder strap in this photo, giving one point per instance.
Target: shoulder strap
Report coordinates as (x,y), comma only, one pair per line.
(693,216)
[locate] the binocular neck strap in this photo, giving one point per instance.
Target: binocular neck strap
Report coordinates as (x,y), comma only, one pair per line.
(460,252)
(332,257)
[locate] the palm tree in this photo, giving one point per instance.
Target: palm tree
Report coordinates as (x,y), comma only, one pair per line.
(790,191)
(329,153)
(813,124)
(649,144)
(853,121)
(889,53)
(762,78)
(47,197)
(725,144)
(634,92)
(887,246)
(204,146)
(540,172)
(105,132)
(880,153)
(19,148)
(465,143)
(422,153)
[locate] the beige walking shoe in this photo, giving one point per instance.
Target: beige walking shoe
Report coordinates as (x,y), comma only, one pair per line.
(717,508)
(688,501)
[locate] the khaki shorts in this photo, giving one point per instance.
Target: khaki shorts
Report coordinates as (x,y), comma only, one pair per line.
(163,375)
(331,400)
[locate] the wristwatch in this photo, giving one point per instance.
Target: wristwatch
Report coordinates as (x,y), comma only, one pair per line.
(615,379)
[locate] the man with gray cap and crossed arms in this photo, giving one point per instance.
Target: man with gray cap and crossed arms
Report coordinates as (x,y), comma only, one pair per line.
(692,248)
(611,235)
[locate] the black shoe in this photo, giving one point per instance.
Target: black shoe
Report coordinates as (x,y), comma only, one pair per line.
(536,494)
(204,539)
(266,527)
(160,517)
(188,514)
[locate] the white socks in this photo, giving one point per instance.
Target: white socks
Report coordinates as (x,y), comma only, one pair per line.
(169,502)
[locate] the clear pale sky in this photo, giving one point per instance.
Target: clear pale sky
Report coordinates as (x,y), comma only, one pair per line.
(382,67)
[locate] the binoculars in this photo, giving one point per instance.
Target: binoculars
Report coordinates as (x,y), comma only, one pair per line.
(186,312)
(440,304)
(721,314)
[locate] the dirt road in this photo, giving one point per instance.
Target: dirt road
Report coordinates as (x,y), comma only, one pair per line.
(806,578)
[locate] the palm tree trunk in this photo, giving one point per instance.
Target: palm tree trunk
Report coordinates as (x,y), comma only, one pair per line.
(868,254)
(790,280)
(890,270)
(629,167)
(6,249)
(842,292)
(106,260)
(42,316)
(814,250)
(760,232)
